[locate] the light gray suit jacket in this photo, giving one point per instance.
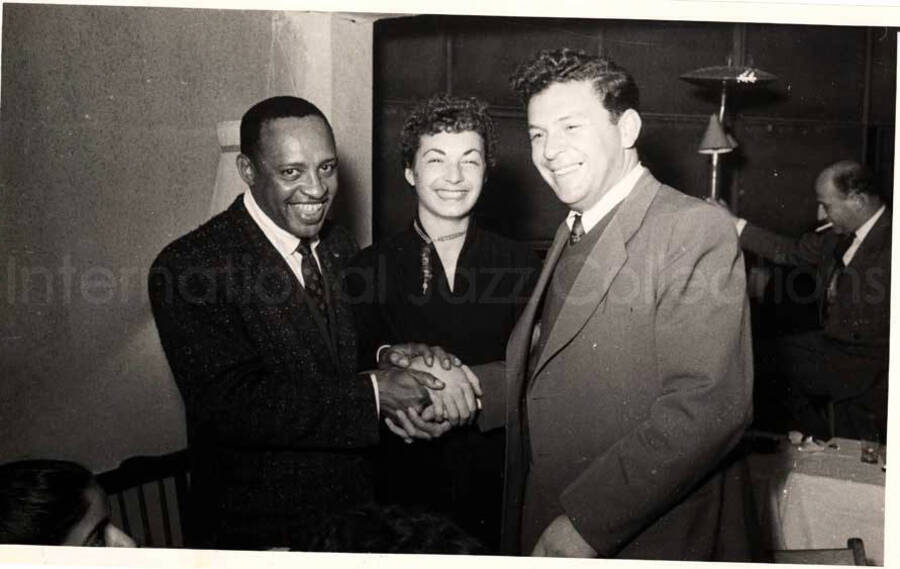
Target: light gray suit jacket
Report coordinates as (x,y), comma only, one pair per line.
(643,386)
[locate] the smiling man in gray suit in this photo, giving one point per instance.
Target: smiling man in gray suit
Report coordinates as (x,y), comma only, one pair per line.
(628,377)
(640,379)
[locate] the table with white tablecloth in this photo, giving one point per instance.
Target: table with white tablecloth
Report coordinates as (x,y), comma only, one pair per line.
(817,499)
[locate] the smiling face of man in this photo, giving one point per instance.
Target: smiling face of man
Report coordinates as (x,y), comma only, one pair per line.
(447,173)
(575,146)
(293,176)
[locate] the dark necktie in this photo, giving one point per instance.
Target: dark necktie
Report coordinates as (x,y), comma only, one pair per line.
(312,279)
(842,245)
(839,250)
(577,230)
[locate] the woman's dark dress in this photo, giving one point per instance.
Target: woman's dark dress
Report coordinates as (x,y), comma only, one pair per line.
(459,474)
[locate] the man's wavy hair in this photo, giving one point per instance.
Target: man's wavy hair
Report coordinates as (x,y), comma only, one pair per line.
(614,85)
(446,113)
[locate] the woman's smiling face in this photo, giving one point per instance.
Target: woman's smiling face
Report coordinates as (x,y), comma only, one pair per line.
(447,173)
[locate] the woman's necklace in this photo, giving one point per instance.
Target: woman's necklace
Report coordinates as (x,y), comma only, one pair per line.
(450,236)
(425,253)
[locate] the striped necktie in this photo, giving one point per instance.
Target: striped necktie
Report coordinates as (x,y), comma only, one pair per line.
(577,230)
(312,279)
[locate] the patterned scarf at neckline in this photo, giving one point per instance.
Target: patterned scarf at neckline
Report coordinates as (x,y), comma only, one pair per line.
(425,255)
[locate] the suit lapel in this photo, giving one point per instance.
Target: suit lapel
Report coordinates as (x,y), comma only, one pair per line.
(600,269)
(520,341)
(270,274)
(875,242)
(329,257)
(517,351)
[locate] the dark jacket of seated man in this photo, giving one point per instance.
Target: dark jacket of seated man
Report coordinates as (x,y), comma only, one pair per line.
(847,356)
(859,314)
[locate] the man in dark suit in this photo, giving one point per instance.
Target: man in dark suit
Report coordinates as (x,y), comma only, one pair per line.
(628,377)
(845,359)
(262,345)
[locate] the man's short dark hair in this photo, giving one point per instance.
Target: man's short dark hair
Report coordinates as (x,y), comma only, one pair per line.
(446,113)
(271,109)
(393,529)
(42,500)
(613,84)
(851,177)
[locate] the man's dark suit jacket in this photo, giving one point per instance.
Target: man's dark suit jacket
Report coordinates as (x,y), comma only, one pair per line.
(860,314)
(643,386)
(278,420)
(845,360)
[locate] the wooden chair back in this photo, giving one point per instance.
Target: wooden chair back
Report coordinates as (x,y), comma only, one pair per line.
(148,498)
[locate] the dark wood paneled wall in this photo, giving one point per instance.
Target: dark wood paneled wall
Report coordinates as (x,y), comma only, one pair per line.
(834,99)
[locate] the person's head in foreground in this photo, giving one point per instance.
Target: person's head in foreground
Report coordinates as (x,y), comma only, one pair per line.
(447,144)
(847,195)
(583,122)
(55,502)
(289,161)
(392,529)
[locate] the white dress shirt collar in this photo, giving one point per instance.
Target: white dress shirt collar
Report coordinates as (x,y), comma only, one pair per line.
(613,197)
(284,241)
(866,227)
(860,235)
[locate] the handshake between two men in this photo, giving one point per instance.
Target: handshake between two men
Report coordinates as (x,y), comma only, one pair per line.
(424,391)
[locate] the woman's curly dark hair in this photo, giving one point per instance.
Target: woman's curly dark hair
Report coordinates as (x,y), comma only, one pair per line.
(614,85)
(446,113)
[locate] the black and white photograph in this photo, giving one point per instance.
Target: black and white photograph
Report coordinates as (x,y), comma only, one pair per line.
(287,280)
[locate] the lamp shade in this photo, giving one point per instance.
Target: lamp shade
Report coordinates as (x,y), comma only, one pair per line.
(228,182)
(715,140)
(743,76)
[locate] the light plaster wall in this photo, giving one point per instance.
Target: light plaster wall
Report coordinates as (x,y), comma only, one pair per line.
(108,151)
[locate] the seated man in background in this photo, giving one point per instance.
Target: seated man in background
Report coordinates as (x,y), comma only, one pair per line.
(262,345)
(845,359)
(55,502)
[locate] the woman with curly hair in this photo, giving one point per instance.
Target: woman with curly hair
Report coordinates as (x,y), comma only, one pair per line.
(445,281)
